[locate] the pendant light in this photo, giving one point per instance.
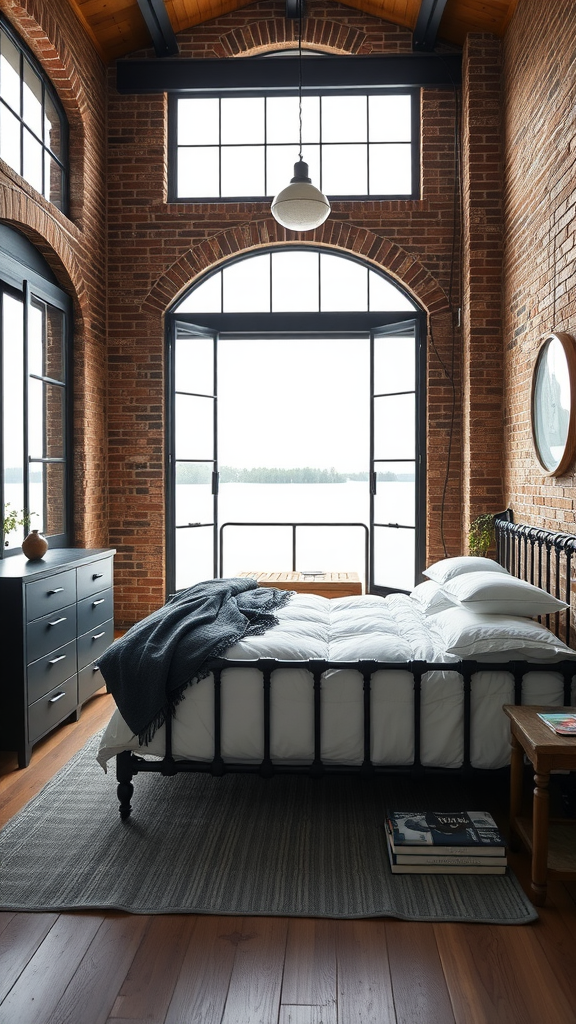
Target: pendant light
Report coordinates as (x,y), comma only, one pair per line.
(300,206)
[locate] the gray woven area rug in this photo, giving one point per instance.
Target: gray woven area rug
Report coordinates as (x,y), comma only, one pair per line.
(241,845)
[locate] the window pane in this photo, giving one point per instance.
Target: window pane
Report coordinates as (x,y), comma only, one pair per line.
(332,549)
(53,186)
(54,498)
(194,364)
(390,118)
(282,120)
(198,172)
(394,559)
(13,408)
(32,161)
(280,162)
(394,427)
(46,340)
(205,298)
(194,556)
(198,122)
(52,126)
(242,120)
(247,286)
(343,284)
(394,364)
(243,171)
(390,169)
(295,282)
(194,498)
(344,170)
(384,296)
(10,138)
(395,498)
(32,100)
(344,119)
(9,72)
(45,420)
(194,427)
(36,490)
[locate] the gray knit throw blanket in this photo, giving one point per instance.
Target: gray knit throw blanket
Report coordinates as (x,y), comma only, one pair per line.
(148,669)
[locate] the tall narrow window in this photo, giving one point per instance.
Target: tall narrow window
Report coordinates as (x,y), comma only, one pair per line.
(34,395)
(33,127)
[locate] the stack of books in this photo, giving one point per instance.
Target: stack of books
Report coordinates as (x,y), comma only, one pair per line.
(437,842)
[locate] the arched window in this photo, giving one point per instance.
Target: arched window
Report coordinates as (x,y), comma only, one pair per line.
(296,425)
(33,127)
(34,456)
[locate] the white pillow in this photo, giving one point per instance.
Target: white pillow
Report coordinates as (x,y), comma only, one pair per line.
(497,593)
(431,598)
(470,635)
(447,568)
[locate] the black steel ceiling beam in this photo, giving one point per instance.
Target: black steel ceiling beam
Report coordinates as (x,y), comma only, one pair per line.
(427,24)
(252,74)
(158,24)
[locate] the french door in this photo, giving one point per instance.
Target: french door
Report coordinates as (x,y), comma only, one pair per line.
(394,463)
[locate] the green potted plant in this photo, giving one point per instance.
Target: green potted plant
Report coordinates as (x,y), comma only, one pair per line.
(12,519)
(481,534)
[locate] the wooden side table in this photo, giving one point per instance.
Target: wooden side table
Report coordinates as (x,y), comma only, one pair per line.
(326,584)
(552,842)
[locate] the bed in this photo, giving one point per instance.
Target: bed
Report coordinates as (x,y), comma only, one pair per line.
(369,684)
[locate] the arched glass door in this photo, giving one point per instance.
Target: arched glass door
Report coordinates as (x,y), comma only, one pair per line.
(297,367)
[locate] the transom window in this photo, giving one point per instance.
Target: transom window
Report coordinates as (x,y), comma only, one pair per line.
(294,280)
(33,128)
(244,147)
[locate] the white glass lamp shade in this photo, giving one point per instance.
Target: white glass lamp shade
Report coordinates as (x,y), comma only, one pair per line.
(300,206)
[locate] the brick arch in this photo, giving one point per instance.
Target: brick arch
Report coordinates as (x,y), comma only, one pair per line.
(280,33)
(380,252)
(22,212)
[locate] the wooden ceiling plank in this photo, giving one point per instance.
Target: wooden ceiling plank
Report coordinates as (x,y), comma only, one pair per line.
(93,37)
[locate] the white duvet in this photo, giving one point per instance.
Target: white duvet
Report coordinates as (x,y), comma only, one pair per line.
(347,629)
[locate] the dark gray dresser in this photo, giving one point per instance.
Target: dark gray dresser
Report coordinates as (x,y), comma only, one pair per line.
(57,618)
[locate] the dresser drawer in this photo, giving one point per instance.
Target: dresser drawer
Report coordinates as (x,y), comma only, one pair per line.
(89,680)
(94,577)
(50,671)
(50,632)
(51,709)
(49,594)
(95,609)
(92,644)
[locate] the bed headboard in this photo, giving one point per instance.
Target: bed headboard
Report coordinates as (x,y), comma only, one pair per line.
(544,558)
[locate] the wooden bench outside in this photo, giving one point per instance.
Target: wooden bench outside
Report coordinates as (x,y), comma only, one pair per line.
(327,584)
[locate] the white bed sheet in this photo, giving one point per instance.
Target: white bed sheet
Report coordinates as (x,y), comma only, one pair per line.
(392,629)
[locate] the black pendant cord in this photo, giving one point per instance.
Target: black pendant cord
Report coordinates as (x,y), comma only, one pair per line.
(300,157)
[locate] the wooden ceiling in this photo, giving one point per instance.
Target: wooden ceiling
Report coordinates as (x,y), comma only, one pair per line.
(117,27)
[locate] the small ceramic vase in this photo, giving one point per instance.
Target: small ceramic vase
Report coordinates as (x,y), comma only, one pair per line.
(34,545)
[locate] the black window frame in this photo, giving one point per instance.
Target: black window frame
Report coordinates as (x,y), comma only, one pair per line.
(47,90)
(292,148)
(25,276)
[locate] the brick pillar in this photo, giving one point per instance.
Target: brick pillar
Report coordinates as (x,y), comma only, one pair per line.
(482,264)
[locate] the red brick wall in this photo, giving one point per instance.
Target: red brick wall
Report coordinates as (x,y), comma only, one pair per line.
(75,245)
(156,250)
(539,281)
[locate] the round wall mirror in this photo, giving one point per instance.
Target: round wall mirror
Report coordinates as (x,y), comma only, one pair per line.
(554,403)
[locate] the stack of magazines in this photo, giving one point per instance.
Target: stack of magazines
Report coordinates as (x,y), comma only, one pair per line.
(437,842)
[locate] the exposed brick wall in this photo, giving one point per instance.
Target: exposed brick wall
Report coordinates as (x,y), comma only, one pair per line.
(482,454)
(74,246)
(539,293)
(157,249)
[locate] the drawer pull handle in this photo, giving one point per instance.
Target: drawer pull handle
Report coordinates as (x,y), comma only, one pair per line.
(54,660)
(57,696)
(97,575)
(57,590)
(57,621)
(95,668)
(98,635)
(101,601)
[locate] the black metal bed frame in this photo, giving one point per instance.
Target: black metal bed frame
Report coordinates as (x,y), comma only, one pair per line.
(525,551)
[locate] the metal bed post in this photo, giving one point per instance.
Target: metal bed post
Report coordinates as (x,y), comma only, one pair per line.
(367,766)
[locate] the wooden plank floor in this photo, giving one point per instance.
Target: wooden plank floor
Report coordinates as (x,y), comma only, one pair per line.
(115,968)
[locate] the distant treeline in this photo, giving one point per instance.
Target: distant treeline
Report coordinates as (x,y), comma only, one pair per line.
(192,473)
